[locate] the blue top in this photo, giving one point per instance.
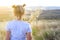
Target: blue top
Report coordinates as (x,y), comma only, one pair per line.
(18,29)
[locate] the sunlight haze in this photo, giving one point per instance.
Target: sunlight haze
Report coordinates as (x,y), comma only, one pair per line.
(30,2)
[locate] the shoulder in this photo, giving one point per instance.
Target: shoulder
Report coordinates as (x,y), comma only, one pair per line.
(26,25)
(10,23)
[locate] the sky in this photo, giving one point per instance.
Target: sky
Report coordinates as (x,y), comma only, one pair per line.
(30,2)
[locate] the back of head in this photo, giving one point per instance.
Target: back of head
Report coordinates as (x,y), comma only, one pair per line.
(18,9)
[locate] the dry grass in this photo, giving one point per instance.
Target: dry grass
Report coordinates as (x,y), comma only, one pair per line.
(41,30)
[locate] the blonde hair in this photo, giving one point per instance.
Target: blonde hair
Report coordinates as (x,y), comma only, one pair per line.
(19,9)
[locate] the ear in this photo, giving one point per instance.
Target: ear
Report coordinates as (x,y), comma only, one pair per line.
(24,5)
(13,6)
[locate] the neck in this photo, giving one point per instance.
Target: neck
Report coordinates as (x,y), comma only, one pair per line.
(19,18)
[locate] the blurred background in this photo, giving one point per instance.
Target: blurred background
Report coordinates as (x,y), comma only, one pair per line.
(43,15)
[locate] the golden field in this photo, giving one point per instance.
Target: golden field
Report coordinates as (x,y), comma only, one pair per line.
(41,29)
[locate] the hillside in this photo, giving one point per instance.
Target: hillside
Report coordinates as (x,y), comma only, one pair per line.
(50,14)
(47,12)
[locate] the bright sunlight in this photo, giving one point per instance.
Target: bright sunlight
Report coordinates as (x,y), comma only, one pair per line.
(30,2)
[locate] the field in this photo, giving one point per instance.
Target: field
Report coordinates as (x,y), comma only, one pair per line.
(46,30)
(41,30)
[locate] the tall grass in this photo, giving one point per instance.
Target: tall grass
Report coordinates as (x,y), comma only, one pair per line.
(48,30)
(41,30)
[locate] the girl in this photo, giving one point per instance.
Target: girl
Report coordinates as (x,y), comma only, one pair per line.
(18,29)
